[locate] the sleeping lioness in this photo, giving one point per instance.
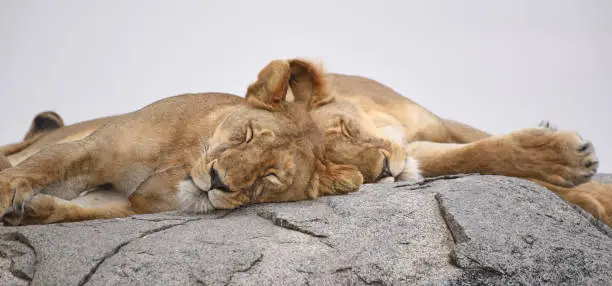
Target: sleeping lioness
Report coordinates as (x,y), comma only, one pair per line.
(196,152)
(389,138)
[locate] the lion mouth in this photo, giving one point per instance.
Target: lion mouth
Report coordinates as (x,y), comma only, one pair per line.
(193,199)
(201,196)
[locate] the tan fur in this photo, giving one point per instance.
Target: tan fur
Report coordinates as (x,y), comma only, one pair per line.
(388,137)
(4,162)
(236,151)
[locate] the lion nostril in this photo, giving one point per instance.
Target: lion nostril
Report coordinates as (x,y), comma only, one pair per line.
(216,182)
(188,178)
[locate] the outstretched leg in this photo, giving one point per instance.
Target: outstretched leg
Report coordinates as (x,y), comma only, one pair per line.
(463,133)
(556,157)
(559,161)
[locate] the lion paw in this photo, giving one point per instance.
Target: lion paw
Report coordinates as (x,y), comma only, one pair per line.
(560,157)
(13,192)
(36,210)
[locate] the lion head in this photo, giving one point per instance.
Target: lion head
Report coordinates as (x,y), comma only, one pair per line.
(267,149)
(352,138)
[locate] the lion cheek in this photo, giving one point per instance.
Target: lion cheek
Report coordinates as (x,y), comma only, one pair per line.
(410,171)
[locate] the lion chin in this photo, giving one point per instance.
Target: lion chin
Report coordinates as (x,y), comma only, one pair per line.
(192,199)
(411,171)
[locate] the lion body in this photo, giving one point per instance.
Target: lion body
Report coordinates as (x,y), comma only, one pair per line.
(364,124)
(195,152)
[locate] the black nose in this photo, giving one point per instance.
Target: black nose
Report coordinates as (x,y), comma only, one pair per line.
(216,182)
(386,170)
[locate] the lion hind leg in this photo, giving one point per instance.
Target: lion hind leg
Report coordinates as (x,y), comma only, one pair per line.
(46,209)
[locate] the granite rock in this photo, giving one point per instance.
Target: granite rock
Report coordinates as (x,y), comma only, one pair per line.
(450,230)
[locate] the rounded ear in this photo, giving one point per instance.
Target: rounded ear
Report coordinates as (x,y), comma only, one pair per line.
(44,121)
(308,83)
(270,89)
(335,179)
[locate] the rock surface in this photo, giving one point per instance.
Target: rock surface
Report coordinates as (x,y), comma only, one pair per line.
(444,231)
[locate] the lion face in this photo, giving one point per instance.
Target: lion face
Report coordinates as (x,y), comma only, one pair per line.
(352,138)
(267,150)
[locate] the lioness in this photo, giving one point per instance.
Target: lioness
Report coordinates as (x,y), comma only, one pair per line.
(196,152)
(389,138)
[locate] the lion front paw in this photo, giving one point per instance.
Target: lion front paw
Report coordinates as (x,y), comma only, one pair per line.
(40,209)
(13,192)
(559,157)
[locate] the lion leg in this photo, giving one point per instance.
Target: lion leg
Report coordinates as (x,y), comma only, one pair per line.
(71,167)
(4,162)
(13,148)
(155,194)
(45,209)
(556,157)
(594,197)
(463,133)
(42,123)
(159,192)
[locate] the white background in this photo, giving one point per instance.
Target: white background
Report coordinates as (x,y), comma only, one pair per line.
(497,65)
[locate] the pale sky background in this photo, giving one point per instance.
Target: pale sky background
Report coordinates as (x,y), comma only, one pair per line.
(498,65)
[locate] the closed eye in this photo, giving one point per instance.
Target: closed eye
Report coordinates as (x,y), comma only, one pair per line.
(249,134)
(270,174)
(344,129)
(272,178)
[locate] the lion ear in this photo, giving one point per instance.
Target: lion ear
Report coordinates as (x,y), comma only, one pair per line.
(336,179)
(308,83)
(44,121)
(270,89)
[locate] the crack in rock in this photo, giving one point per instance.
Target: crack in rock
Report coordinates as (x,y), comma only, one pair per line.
(483,267)
(454,228)
(363,280)
(18,237)
(157,219)
(247,269)
(425,183)
(118,248)
(284,223)
(597,223)
(458,234)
